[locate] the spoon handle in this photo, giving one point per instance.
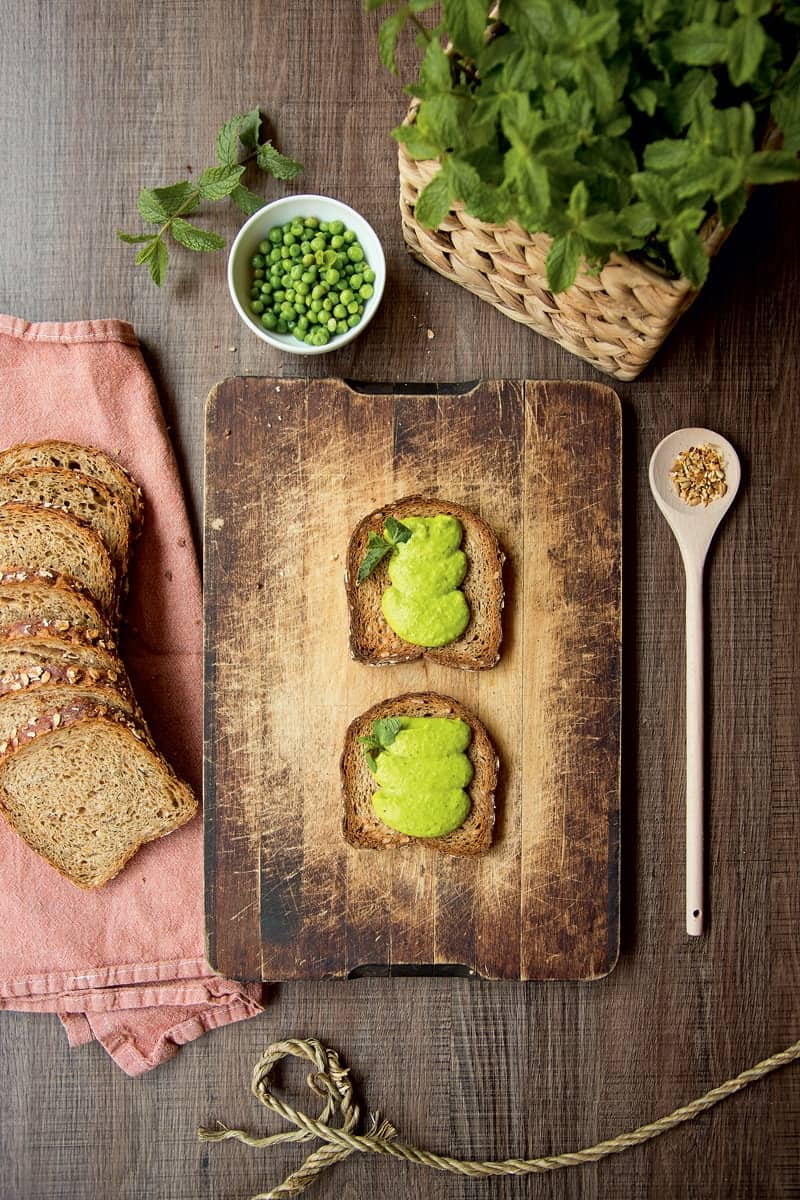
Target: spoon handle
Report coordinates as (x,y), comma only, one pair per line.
(694,749)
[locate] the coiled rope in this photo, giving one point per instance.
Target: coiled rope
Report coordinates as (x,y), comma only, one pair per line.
(330,1081)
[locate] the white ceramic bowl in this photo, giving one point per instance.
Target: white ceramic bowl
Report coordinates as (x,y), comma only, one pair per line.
(279,212)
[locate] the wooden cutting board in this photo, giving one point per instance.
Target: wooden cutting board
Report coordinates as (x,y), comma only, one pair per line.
(291,466)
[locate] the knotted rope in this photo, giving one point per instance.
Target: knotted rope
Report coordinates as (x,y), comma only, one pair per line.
(330,1081)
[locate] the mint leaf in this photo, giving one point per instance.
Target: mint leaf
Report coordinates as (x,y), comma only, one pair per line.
(193,238)
(218,182)
(563,260)
(388,37)
(645,100)
(700,44)
(147,251)
(134,238)
(277,164)
(690,256)
(578,203)
(415,144)
(250,129)
(150,207)
(466,24)
(228,141)
(249,202)
(433,202)
(370,742)
(377,549)
(396,532)
(155,254)
(177,197)
(667,155)
(772,166)
(434,72)
(386,730)
(746,44)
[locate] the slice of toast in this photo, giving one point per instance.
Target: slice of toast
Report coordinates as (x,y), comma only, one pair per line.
(51,540)
(361,826)
(86,789)
(371,638)
(37,597)
(21,709)
(73,492)
(85,459)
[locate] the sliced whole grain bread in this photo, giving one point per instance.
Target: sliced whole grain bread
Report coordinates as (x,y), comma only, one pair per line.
(371,638)
(87,460)
(87,790)
(361,826)
(50,540)
(39,597)
(20,709)
(76,635)
(73,492)
(49,657)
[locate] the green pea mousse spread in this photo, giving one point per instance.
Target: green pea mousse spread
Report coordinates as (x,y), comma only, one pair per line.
(422,776)
(424,605)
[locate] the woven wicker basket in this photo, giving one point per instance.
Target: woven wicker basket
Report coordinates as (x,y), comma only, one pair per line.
(616,319)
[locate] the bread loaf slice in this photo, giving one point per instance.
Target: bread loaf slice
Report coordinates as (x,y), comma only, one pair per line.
(73,492)
(371,638)
(22,708)
(361,826)
(47,657)
(86,460)
(51,540)
(87,790)
(52,600)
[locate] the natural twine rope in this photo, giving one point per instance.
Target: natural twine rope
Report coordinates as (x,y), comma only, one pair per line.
(330,1081)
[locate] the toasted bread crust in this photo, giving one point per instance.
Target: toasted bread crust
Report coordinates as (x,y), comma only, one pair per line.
(362,828)
(372,640)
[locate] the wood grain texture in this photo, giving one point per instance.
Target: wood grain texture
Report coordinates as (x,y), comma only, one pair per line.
(129,95)
(291,469)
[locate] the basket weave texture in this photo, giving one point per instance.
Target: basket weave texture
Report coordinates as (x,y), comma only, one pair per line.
(615,319)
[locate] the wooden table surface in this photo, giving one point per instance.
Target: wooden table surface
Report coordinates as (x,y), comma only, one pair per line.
(96,100)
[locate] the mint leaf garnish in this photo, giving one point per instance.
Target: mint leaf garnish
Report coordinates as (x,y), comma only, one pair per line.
(379,546)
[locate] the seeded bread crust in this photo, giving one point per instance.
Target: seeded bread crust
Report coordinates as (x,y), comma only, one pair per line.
(46,651)
(372,640)
(54,673)
(362,828)
(47,539)
(52,793)
(76,635)
(29,597)
(79,495)
(87,460)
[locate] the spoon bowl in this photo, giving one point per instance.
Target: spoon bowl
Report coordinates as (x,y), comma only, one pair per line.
(694,526)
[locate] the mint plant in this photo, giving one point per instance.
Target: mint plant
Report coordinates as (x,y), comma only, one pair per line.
(611,125)
(168,207)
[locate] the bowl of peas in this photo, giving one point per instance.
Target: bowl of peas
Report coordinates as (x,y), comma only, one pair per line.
(306,274)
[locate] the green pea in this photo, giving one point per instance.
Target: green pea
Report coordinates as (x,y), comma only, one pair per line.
(285,253)
(345,296)
(336,227)
(259,273)
(296,272)
(327,303)
(356,280)
(266,289)
(318,243)
(341,327)
(308,277)
(352,322)
(302,289)
(279,295)
(257,260)
(275,235)
(331,325)
(316,305)
(282,327)
(257,307)
(349,236)
(264,247)
(331,275)
(352,308)
(366,290)
(275,255)
(311,222)
(339,311)
(355,253)
(268,320)
(369,275)
(323,226)
(308,260)
(337,242)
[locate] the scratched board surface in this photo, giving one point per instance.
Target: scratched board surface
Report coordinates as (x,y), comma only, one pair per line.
(291,466)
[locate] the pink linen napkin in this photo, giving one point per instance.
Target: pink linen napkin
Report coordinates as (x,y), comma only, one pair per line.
(124,964)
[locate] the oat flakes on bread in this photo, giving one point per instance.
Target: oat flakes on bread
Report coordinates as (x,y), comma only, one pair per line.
(361,826)
(73,492)
(88,789)
(371,638)
(20,709)
(50,540)
(87,460)
(33,597)
(50,657)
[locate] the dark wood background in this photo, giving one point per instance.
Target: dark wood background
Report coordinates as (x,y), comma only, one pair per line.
(96,100)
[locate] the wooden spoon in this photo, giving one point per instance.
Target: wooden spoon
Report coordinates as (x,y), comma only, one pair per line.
(694,526)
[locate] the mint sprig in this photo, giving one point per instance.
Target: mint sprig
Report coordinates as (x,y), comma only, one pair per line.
(168,207)
(609,126)
(384,732)
(395,532)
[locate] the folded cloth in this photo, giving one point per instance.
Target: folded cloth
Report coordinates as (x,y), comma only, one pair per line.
(124,964)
